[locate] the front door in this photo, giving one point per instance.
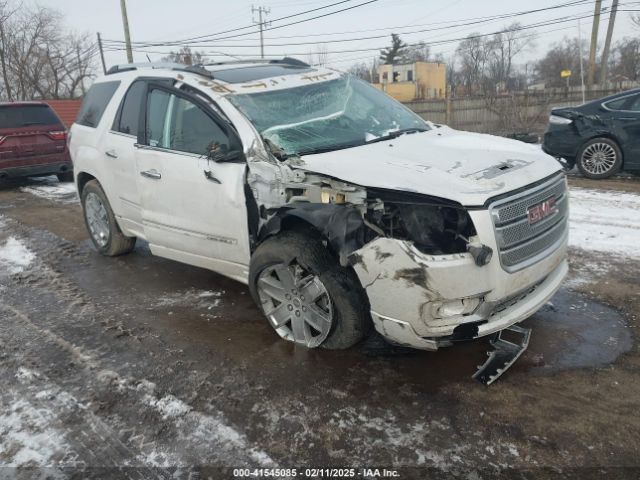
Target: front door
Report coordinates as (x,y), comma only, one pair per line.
(193,208)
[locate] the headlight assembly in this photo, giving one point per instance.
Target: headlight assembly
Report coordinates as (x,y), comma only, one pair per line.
(435,226)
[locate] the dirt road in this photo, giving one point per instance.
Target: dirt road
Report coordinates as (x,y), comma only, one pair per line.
(141,367)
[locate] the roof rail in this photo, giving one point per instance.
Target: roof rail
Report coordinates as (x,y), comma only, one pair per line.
(282,61)
(197,69)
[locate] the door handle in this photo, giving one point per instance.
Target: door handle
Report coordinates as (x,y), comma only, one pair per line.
(111,153)
(154,174)
(627,119)
(209,176)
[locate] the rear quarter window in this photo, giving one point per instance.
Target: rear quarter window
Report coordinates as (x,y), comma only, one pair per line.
(620,103)
(95,103)
(16,116)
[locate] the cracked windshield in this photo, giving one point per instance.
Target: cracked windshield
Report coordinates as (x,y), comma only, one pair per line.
(326,116)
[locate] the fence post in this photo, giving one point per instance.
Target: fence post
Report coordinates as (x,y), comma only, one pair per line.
(447,107)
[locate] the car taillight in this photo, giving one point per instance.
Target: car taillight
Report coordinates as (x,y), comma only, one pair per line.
(60,135)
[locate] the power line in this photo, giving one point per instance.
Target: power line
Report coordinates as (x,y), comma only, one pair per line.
(558,20)
(467,23)
(195,39)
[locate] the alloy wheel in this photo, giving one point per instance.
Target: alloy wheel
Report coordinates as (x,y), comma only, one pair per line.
(97,219)
(599,158)
(297,304)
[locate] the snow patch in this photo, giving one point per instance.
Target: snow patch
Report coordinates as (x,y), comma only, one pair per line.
(204,299)
(14,256)
(168,406)
(50,189)
(26,375)
(605,221)
(27,438)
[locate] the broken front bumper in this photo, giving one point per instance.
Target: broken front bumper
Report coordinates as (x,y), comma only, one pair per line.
(429,301)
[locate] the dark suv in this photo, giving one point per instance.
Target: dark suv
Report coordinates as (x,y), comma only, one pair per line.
(33,142)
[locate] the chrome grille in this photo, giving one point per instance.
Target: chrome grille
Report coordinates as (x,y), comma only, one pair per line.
(520,243)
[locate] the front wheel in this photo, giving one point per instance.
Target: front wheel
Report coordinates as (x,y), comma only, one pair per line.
(307,297)
(599,158)
(101,222)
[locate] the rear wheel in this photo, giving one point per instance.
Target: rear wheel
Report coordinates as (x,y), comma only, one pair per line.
(599,158)
(307,297)
(101,222)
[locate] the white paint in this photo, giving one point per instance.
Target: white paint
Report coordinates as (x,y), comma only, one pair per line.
(605,221)
(14,256)
(442,162)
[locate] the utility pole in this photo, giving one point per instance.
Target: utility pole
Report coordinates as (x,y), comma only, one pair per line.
(594,45)
(262,23)
(607,45)
(581,61)
(104,65)
(125,24)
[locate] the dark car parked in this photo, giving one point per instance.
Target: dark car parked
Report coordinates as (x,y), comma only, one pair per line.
(601,137)
(33,142)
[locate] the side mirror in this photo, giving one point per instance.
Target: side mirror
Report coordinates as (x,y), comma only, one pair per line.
(221,153)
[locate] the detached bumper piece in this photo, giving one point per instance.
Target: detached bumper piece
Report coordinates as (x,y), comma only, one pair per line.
(504,355)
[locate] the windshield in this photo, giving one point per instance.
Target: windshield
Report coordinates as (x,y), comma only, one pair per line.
(324,116)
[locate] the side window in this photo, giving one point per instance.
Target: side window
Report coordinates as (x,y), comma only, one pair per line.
(618,104)
(178,124)
(95,103)
(635,104)
(127,119)
(157,110)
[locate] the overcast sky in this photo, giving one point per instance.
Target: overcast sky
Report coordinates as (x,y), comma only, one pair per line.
(162,20)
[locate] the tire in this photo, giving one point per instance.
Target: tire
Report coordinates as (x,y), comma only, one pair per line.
(65,176)
(341,298)
(599,158)
(101,222)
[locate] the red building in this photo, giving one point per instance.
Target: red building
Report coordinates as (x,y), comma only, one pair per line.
(67,110)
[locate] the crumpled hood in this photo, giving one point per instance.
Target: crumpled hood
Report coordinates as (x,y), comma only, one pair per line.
(465,167)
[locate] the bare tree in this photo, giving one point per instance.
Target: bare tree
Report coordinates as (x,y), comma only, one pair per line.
(320,56)
(365,71)
(502,49)
(626,59)
(564,55)
(472,55)
(186,57)
(420,52)
(38,58)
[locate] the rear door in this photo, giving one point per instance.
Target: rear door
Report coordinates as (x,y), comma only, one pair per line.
(193,208)
(28,132)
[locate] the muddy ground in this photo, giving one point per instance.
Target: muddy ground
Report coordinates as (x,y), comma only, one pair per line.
(141,367)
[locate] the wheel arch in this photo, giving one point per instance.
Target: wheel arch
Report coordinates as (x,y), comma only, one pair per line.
(341,228)
(82,178)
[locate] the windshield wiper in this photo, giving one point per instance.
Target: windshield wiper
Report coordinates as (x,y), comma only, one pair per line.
(329,148)
(396,134)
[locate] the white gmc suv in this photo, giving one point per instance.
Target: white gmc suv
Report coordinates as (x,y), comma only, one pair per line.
(339,207)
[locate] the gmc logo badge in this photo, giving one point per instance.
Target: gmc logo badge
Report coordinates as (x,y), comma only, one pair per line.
(542,210)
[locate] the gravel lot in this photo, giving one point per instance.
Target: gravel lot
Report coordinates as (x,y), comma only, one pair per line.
(141,367)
